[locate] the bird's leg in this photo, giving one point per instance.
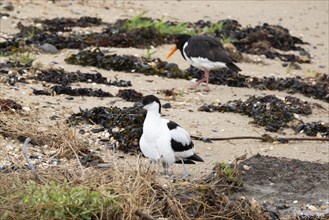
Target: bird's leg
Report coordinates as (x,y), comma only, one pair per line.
(206,77)
(165,168)
(197,83)
(152,161)
(186,173)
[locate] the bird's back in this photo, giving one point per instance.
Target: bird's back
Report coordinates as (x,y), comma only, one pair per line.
(207,47)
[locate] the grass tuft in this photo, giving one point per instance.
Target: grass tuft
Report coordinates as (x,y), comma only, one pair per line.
(140,22)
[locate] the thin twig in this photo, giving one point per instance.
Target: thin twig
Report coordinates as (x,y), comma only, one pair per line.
(264,137)
(29,162)
(79,162)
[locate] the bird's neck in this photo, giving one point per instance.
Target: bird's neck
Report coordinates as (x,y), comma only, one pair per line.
(153,116)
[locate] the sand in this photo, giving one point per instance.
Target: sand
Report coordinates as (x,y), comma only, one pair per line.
(305,19)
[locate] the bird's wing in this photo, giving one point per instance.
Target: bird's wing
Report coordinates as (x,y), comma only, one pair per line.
(207,47)
(180,139)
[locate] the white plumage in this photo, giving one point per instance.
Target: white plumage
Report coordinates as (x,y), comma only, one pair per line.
(164,140)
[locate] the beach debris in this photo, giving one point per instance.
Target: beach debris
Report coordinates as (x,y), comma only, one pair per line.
(67,90)
(7,105)
(124,126)
(130,95)
(272,112)
(274,41)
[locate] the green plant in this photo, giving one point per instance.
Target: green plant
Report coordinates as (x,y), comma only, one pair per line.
(213,28)
(23,58)
(290,68)
(139,22)
(60,201)
(230,173)
(149,53)
(228,39)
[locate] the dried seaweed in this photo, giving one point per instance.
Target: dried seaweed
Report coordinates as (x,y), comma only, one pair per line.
(124,125)
(214,196)
(264,39)
(65,24)
(269,111)
(126,63)
(313,128)
(317,87)
(60,76)
(9,105)
(130,95)
(67,90)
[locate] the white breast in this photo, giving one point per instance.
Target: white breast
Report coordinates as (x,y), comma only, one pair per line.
(155,142)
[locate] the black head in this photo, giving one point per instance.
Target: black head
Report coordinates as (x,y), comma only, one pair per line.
(180,40)
(150,99)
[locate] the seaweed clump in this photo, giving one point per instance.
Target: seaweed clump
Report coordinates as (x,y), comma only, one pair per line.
(9,105)
(62,77)
(214,196)
(264,39)
(143,32)
(268,111)
(130,95)
(66,24)
(67,90)
(317,87)
(125,63)
(124,125)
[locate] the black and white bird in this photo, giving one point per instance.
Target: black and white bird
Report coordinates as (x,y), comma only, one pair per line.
(164,140)
(205,53)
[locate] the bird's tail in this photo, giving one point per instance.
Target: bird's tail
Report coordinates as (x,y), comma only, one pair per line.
(233,67)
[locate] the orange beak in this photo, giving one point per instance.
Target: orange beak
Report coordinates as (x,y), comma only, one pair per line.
(171,52)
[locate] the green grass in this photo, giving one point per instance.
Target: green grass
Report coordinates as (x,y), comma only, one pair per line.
(164,28)
(213,28)
(149,53)
(58,201)
(226,40)
(140,22)
(23,58)
(290,68)
(230,174)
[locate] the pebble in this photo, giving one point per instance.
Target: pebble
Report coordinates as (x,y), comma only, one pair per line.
(312,208)
(104,139)
(246,167)
(49,48)
(27,109)
(295,202)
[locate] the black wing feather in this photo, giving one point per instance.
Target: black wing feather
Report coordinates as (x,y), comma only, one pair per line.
(207,47)
(176,145)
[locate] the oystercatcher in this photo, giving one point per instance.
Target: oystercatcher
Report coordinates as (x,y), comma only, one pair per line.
(205,53)
(164,140)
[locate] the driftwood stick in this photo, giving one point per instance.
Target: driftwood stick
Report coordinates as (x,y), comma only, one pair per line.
(29,162)
(264,137)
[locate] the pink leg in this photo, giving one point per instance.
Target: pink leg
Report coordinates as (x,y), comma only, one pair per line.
(197,83)
(206,77)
